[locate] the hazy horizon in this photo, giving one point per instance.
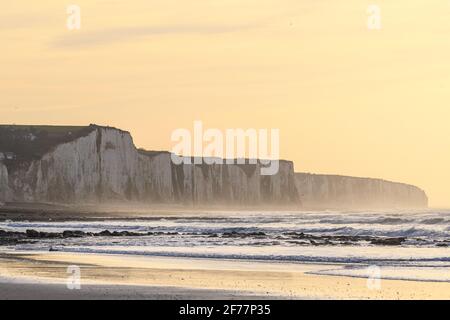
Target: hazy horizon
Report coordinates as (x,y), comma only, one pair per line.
(347,100)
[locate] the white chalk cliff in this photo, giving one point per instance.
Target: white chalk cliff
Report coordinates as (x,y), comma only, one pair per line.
(341,192)
(100,164)
(105,165)
(4,188)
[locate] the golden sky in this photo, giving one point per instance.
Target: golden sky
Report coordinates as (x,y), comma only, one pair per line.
(346,99)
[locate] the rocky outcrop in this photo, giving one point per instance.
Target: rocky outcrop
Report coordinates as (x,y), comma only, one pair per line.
(340,192)
(102,164)
(293,238)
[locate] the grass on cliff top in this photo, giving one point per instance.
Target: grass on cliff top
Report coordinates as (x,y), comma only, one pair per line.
(49,129)
(29,142)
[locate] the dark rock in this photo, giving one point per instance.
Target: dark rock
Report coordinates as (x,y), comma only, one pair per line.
(388,241)
(233,234)
(105,233)
(73,234)
(257,234)
(32,234)
(295,235)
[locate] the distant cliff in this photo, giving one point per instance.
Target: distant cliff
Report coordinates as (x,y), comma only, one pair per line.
(340,192)
(97,164)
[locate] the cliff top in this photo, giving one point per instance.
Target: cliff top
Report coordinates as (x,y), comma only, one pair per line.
(337,176)
(29,142)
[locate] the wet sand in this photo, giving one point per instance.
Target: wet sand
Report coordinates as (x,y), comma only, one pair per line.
(58,212)
(44,275)
(56,291)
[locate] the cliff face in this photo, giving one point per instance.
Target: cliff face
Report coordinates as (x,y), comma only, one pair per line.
(103,164)
(98,164)
(4,188)
(340,192)
(238,184)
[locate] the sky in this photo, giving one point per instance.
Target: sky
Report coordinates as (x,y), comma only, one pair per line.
(347,99)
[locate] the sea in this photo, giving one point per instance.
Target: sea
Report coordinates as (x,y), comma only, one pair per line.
(407,245)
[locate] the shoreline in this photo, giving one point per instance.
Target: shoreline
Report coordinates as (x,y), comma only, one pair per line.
(112,277)
(59,212)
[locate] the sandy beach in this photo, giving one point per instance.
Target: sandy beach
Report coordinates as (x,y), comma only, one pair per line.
(44,276)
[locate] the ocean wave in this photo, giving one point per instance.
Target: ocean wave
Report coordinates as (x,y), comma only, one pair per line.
(371,220)
(435,221)
(431,273)
(426,230)
(396,261)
